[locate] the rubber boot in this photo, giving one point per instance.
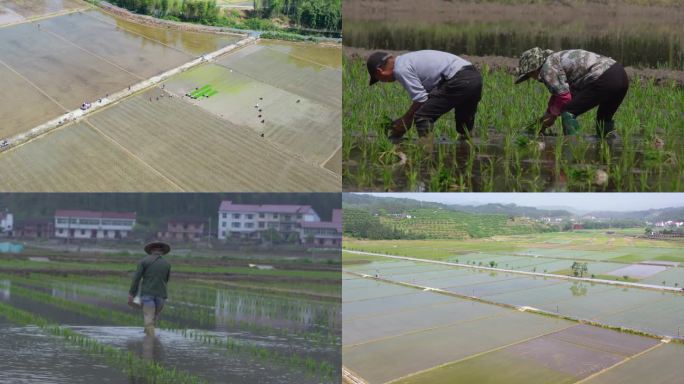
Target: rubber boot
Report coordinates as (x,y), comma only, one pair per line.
(149,315)
(570,124)
(606,130)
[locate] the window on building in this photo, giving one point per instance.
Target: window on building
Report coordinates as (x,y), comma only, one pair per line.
(235,225)
(287,217)
(62,221)
(262,224)
(275,215)
(223,233)
(236,215)
(250,216)
(223,224)
(249,225)
(262,215)
(224,215)
(299,215)
(321,241)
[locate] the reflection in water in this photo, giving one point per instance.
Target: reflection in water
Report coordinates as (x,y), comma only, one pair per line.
(215,365)
(284,313)
(149,347)
(5,287)
(579,289)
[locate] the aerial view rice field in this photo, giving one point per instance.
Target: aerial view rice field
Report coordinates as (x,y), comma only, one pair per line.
(253,313)
(61,63)
(507,151)
(440,308)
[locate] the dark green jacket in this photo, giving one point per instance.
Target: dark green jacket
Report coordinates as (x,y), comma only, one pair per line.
(155,275)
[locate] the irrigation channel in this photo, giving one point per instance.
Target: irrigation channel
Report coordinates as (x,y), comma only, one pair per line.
(207,334)
(421,322)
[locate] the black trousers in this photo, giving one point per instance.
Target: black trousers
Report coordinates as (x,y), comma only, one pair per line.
(607,92)
(461,93)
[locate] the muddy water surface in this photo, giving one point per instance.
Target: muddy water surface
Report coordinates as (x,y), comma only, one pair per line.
(29,356)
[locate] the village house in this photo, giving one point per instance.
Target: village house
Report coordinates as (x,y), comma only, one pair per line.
(78,224)
(323,233)
(6,222)
(248,221)
(34,228)
(183,229)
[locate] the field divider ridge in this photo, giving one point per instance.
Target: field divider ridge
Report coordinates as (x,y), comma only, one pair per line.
(523,308)
(132,155)
(78,114)
(349,377)
(537,274)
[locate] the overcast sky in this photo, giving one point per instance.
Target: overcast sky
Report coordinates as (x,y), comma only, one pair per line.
(578,201)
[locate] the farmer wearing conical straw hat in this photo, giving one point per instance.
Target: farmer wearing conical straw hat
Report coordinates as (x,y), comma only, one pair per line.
(578,80)
(437,82)
(154,271)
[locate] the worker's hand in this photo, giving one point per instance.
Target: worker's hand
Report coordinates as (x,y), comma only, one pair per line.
(547,120)
(399,125)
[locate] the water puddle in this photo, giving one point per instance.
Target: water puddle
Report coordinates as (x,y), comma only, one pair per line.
(31,357)
(174,350)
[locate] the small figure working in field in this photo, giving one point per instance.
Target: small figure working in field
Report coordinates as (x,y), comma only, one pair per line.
(437,82)
(154,271)
(578,80)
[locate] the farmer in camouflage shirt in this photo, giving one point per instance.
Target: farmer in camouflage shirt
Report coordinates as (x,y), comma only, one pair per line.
(578,80)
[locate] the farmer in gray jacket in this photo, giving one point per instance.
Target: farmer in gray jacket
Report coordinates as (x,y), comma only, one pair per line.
(154,271)
(437,82)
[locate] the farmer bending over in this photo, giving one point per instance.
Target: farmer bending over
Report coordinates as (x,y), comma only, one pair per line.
(437,82)
(154,272)
(578,81)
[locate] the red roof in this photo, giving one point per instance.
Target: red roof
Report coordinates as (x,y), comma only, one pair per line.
(266,208)
(95,214)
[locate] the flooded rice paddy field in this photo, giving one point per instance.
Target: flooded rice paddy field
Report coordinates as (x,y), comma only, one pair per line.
(14,11)
(214,335)
(164,140)
(607,255)
(401,334)
(55,64)
(649,311)
(505,152)
(277,77)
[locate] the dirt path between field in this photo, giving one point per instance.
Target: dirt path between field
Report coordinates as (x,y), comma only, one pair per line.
(539,274)
(509,64)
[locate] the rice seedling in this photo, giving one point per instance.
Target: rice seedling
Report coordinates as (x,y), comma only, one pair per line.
(509,150)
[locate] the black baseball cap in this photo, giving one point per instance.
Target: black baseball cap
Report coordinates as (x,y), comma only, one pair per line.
(375,61)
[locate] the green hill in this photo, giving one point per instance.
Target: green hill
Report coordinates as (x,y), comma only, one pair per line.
(433,223)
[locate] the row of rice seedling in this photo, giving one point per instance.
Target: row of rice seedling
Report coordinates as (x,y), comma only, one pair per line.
(129,319)
(505,154)
(135,367)
(187,311)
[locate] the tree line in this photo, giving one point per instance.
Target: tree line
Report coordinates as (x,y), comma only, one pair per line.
(315,14)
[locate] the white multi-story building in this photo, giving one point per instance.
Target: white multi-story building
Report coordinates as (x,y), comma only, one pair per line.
(323,233)
(248,221)
(75,224)
(6,222)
